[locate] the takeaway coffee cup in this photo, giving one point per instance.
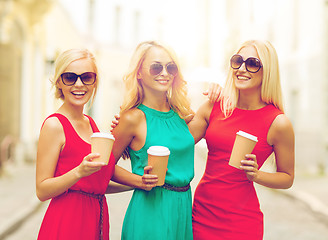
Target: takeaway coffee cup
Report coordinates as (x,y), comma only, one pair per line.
(102,143)
(244,144)
(158,157)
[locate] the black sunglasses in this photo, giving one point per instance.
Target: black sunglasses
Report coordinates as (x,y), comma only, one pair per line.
(252,64)
(157,68)
(87,78)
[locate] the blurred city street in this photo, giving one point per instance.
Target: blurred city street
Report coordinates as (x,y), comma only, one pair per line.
(299,213)
(204,34)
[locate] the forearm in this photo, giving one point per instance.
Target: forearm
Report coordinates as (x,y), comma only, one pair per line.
(127,178)
(55,186)
(114,187)
(277,180)
(197,129)
(198,125)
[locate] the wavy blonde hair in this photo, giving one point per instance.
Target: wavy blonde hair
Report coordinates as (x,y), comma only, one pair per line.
(270,89)
(134,93)
(65,59)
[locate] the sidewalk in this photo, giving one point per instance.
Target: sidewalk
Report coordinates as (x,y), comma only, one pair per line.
(309,189)
(18,200)
(312,191)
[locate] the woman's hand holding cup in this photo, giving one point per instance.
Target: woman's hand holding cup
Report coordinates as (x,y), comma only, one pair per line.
(149,180)
(88,166)
(250,167)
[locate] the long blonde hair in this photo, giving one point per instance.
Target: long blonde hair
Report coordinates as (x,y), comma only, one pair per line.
(134,95)
(270,89)
(65,59)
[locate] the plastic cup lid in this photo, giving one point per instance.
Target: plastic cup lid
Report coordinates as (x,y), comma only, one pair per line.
(158,151)
(247,135)
(102,135)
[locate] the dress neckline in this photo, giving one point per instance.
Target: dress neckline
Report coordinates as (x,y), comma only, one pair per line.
(157,113)
(253,110)
(93,130)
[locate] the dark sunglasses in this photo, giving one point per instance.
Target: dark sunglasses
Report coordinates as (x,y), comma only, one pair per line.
(87,78)
(252,64)
(157,68)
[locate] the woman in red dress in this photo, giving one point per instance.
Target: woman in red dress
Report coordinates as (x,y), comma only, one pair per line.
(65,170)
(225,202)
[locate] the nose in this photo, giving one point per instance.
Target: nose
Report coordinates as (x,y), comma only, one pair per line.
(78,82)
(243,67)
(164,71)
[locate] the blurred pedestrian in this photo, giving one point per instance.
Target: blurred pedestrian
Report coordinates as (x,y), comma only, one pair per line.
(65,170)
(154,112)
(225,201)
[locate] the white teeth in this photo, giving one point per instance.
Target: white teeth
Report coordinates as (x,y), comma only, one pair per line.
(78,93)
(242,78)
(163,81)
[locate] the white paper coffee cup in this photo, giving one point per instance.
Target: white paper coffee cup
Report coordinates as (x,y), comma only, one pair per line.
(102,143)
(244,144)
(158,158)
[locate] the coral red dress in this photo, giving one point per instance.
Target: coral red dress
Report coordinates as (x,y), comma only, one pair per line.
(225,202)
(81,212)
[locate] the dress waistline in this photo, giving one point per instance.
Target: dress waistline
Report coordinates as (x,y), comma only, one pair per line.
(176,189)
(100,198)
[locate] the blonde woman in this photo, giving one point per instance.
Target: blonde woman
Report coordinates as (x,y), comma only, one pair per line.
(65,170)
(225,202)
(154,112)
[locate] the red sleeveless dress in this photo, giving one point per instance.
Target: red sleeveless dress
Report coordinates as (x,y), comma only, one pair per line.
(225,202)
(81,212)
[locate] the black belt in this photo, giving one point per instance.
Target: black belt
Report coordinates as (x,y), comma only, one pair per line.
(100,198)
(176,189)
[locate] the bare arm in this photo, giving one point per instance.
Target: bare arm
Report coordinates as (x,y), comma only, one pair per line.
(198,125)
(51,142)
(281,137)
(131,131)
(114,187)
(126,131)
(122,176)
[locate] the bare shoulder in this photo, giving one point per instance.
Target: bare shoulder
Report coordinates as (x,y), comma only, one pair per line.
(132,117)
(129,131)
(281,123)
(52,132)
(281,128)
(52,125)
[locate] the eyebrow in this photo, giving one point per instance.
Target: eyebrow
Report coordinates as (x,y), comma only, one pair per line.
(162,62)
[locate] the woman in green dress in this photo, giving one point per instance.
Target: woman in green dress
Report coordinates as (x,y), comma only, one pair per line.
(154,112)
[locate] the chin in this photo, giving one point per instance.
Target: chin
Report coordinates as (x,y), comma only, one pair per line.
(241,85)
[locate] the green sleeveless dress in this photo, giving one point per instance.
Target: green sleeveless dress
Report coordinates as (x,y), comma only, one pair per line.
(162,214)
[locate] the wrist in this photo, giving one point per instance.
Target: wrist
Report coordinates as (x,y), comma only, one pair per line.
(77,173)
(257,177)
(139,182)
